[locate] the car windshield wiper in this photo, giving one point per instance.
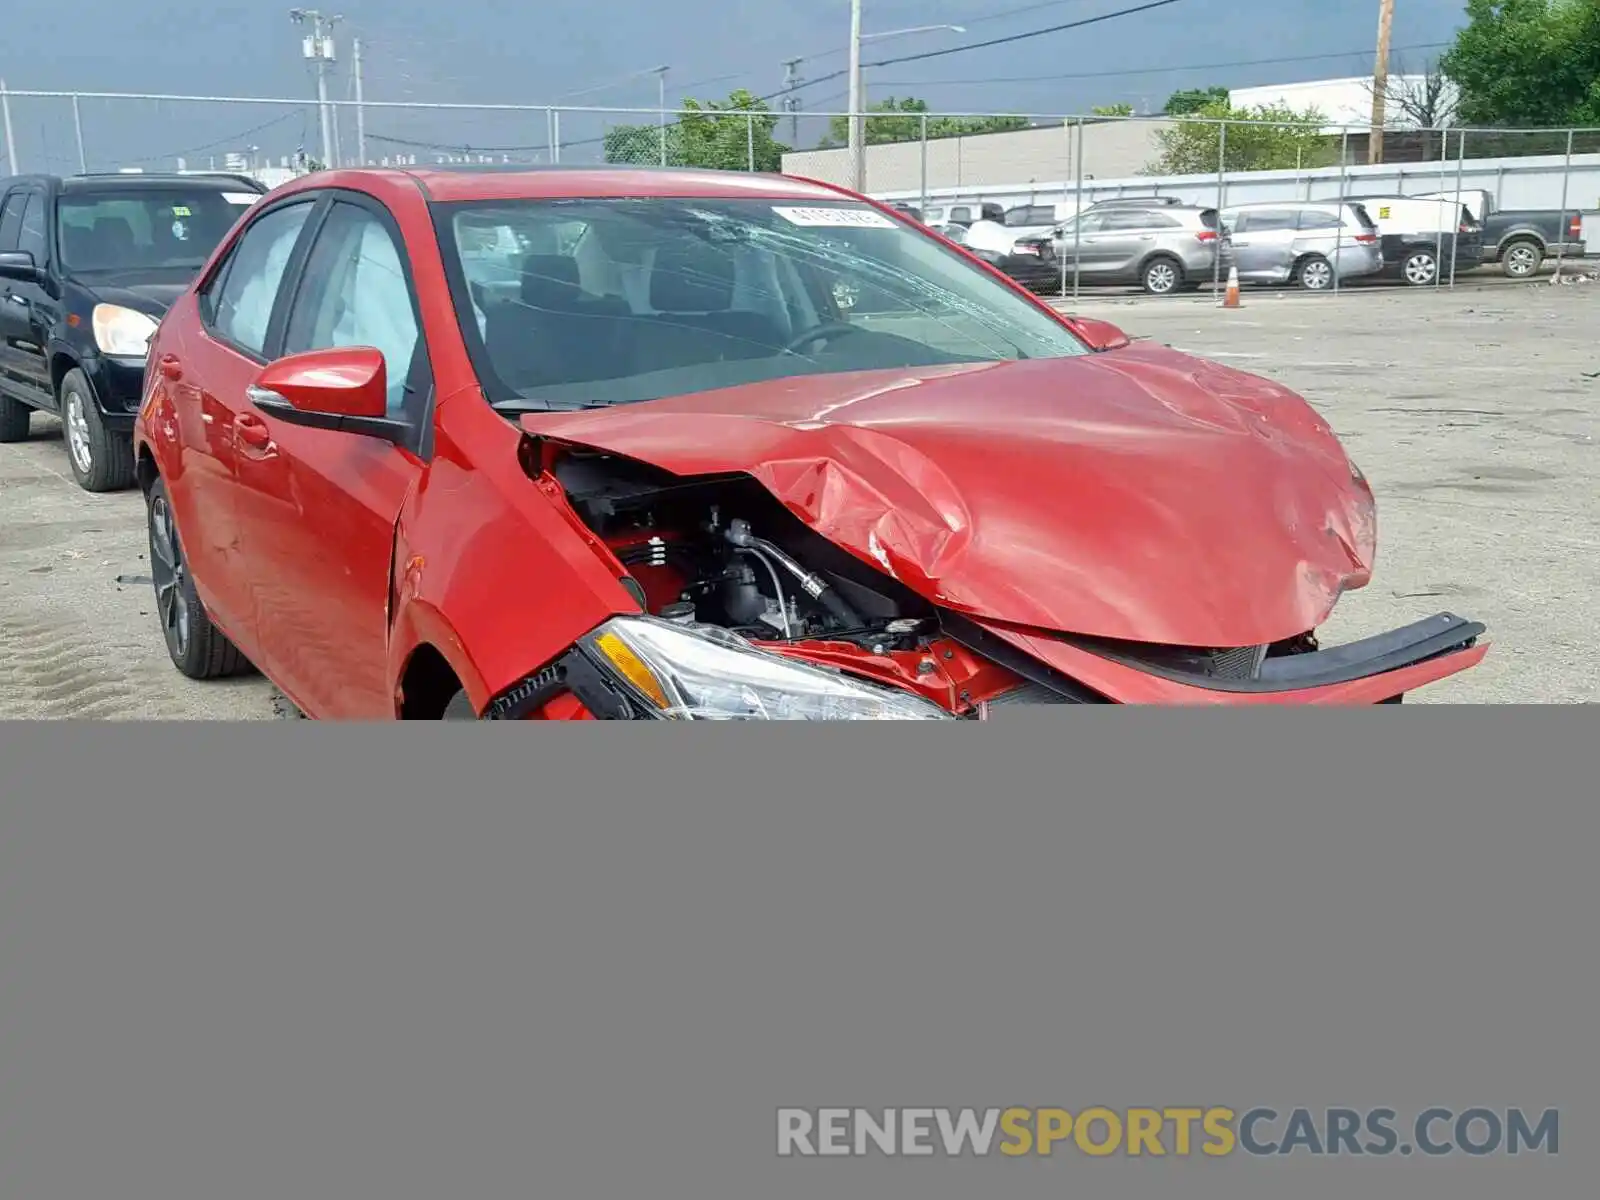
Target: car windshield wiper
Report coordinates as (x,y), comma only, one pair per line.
(526,405)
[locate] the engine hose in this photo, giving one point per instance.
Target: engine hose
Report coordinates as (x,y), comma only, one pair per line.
(813,585)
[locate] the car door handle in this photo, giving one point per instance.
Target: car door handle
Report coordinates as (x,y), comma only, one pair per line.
(170,367)
(1238,243)
(252,431)
(16,299)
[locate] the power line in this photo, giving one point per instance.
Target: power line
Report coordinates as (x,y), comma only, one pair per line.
(1018,11)
(1022,37)
(1014,37)
(1223,66)
(231,140)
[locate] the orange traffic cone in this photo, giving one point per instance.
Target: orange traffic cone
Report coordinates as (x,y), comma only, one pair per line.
(1230,298)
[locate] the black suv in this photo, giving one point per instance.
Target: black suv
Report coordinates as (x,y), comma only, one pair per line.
(88,266)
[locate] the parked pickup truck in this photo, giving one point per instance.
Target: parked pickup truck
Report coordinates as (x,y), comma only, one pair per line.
(1521,240)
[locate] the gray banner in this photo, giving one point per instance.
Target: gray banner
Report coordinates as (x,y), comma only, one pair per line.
(296,961)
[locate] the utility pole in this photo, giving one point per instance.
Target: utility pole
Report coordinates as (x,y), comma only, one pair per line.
(11,137)
(791,84)
(858,150)
(361,108)
(318,49)
(1380,81)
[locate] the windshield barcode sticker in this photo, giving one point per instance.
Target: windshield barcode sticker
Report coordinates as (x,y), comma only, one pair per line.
(244,198)
(835,218)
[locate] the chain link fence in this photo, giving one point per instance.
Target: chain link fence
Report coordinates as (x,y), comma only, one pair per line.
(1041,169)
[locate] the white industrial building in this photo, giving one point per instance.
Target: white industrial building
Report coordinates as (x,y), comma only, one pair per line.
(1347,103)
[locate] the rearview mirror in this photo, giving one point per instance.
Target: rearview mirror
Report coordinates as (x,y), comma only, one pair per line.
(18,264)
(344,389)
(1101,335)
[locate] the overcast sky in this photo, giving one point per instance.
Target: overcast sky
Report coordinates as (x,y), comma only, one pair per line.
(491,51)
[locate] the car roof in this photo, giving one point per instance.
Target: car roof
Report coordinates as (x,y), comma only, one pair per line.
(1287,204)
(450,184)
(134,179)
(1097,209)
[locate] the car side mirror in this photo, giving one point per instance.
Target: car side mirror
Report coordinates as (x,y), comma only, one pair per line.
(345,389)
(1101,335)
(19,265)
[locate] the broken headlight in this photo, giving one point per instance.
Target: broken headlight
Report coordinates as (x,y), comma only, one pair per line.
(698,673)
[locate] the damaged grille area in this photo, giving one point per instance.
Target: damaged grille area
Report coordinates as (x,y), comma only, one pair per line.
(1232,663)
(1242,663)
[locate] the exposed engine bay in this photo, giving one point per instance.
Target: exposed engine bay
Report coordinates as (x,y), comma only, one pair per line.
(722,552)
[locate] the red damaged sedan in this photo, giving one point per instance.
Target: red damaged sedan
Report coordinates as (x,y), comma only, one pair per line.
(635,444)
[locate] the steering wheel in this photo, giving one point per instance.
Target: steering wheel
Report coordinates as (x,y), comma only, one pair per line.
(826,332)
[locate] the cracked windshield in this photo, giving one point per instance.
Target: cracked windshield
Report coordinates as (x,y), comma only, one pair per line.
(597,302)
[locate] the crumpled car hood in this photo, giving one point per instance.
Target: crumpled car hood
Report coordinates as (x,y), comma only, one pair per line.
(1142,495)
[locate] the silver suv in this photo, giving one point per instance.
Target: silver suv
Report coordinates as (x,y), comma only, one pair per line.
(1163,248)
(1302,242)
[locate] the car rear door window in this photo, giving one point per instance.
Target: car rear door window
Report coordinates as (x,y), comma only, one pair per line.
(241,308)
(1316,218)
(1122,219)
(1267,220)
(354,293)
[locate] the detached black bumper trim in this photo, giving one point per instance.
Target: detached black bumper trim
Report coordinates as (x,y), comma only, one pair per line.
(1444,633)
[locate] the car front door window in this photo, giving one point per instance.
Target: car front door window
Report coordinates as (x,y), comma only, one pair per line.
(31,235)
(355,294)
(11,219)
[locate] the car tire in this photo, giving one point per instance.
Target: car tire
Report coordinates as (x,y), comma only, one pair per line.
(1314,273)
(1161,276)
(1420,267)
(1521,259)
(197,647)
(459,709)
(14,420)
(101,461)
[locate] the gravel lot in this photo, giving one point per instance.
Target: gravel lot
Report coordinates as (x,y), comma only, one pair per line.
(1473,413)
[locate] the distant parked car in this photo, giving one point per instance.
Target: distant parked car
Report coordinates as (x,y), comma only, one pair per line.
(1027,221)
(88,266)
(1419,235)
(1305,244)
(965,214)
(1031,261)
(1522,239)
(1164,248)
(1139,202)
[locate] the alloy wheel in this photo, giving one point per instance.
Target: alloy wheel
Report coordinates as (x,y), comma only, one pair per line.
(1161,278)
(1420,269)
(169,573)
(1522,260)
(1316,276)
(77,427)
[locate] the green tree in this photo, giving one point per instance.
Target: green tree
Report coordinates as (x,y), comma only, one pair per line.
(900,120)
(1528,63)
(1191,100)
(1112,110)
(1277,138)
(723,135)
